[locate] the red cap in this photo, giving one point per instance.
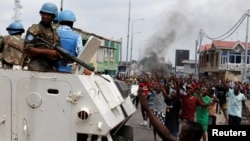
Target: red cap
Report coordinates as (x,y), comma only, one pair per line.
(189,87)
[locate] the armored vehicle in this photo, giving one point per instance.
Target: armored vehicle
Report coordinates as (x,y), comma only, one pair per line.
(53,106)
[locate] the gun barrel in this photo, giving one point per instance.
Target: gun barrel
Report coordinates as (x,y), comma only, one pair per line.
(66,54)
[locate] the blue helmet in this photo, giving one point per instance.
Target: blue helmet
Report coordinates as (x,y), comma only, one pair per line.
(50,8)
(66,15)
(55,20)
(15,27)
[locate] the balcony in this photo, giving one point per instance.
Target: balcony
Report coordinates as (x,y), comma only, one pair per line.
(233,66)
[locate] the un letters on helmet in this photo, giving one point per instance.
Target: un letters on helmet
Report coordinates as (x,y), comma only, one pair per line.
(13,50)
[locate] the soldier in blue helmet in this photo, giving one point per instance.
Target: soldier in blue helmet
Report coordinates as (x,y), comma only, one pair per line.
(11,46)
(42,57)
(69,39)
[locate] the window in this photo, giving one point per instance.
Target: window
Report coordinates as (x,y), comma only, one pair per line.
(100,55)
(109,43)
(235,58)
(106,53)
(223,59)
(112,53)
(248,57)
(109,52)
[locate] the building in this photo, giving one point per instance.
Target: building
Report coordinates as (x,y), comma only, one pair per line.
(106,60)
(226,56)
(180,56)
(189,66)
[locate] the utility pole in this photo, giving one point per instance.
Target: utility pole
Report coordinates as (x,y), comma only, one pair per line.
(128,35)
(132,36)
(17,10)
(196,65)
(244,76)
(199,44)
(120,51)
(131,47)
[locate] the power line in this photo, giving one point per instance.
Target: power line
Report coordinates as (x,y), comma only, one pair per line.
(229,32)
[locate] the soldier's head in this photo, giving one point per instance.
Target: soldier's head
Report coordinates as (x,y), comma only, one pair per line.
(66,17)
(48,12)
(15,28)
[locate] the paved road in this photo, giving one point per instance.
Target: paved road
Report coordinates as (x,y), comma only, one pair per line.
(142,133)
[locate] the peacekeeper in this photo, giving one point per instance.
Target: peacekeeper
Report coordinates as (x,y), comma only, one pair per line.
(11,47)
(70,40)
(42,57)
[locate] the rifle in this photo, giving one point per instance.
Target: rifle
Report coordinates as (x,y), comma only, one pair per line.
(65,54)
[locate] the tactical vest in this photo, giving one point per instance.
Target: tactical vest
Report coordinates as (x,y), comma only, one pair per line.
(68,40)
(41,63)
(49,34)
(13,50)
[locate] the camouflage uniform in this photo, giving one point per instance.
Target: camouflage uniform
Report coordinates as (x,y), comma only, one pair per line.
(11,48)
(41,63)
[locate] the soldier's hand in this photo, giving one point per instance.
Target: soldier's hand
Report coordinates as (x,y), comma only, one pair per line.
(54,55)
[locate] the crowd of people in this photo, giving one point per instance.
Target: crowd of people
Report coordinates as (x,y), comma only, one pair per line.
(171,104)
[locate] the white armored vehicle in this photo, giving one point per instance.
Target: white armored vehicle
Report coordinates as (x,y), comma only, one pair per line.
(39,106)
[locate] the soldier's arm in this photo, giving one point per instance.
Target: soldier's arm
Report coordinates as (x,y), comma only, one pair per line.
(31,50)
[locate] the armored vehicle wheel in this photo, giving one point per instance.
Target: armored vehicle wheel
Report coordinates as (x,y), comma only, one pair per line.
(126,133)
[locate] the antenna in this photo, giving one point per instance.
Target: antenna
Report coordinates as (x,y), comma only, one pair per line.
(17,10)
(61,9)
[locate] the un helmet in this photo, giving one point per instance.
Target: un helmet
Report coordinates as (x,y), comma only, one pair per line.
(66,15)
(50,8)
(14,28)
(55,20)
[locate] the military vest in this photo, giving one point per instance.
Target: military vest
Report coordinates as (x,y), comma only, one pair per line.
(68,40)
(13,50)
(41,63)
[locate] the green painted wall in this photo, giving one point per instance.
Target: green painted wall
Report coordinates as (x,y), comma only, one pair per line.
(110,63)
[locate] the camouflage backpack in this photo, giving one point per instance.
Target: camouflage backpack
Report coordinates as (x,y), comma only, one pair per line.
(13,50)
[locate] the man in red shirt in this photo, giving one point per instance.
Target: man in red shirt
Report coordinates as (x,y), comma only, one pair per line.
(189,103)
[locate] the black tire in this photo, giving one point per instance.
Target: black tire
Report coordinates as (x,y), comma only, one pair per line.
(126,133)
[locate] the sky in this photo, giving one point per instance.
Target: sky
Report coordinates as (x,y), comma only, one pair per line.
(160,27)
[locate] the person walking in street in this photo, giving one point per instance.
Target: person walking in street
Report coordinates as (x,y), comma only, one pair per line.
(173,106)
(212,107)
(189,104)
(202,113)
(221,91)
(236,103)
(145,88)
(159,94)
(42,58)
